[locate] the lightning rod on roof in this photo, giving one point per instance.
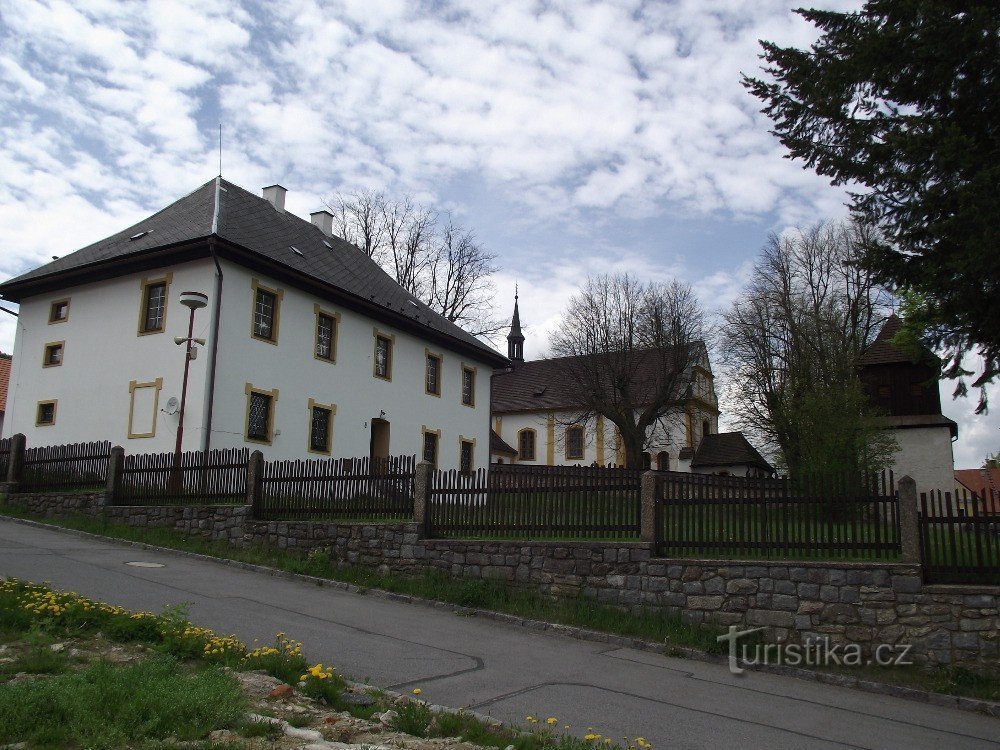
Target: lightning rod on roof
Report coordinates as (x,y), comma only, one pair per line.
(220,149)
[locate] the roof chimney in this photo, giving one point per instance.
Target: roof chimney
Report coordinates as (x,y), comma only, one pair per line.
(276,194)
(324,220)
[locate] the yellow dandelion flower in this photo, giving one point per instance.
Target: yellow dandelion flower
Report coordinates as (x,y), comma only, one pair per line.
(417,691)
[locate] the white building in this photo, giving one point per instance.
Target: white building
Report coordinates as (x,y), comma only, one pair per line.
(310,349)
(536,413)
(908,391)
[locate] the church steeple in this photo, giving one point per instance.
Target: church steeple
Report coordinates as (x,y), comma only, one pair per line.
(515,340)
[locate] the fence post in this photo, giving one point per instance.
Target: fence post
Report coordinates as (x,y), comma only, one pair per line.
(255,484)
(422,497)
(909,531)
(649,533)
(116,463)
(15,464)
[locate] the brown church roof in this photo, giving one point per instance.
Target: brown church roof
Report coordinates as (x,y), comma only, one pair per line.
(545,384)
(728,449)
(499,445)
(883,352)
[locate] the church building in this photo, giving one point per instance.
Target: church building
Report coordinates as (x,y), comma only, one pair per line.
(538,420)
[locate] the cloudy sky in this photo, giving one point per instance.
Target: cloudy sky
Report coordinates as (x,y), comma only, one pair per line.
(574,137)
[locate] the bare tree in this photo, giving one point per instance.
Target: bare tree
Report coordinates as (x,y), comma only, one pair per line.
(441,264)
(791,345)
(628,348)
(459,280)
(360,219)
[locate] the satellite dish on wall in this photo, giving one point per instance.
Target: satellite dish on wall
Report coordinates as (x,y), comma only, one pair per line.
(172,406)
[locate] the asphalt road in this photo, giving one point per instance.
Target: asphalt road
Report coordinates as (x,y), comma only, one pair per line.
(494,668)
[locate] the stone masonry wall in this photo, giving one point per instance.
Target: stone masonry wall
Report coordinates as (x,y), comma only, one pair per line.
(867,603)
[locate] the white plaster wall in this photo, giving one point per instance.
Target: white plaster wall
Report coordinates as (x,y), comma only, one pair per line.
(349,384)
(925,453)
(669,435)
(102,354)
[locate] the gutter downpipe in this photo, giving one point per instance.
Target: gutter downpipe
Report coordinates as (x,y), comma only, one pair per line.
(206,439)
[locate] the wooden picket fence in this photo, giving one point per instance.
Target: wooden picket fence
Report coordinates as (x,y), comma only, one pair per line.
(960,537)
(338,488)
(846,516)
(536,502)
(218,478)
(4,458)
(77,466)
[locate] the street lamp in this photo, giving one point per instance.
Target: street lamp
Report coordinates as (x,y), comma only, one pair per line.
(193,301)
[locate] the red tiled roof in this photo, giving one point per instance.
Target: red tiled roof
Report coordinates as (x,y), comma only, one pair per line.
(5,361)
(984,482)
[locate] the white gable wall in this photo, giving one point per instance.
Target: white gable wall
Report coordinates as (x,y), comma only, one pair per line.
(925,453)
(103,354)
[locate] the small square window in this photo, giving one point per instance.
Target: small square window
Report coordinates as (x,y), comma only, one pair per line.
(432,377)
(326,334)
(884,391)
(917,390)
(383,357)
(466,456)
(319,431)
(53,354)
(468,386)
(259,417)
(46,413)
(154,307)
(431,448)
(59,311)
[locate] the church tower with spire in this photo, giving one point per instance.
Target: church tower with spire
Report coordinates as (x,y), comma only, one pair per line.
(515,339)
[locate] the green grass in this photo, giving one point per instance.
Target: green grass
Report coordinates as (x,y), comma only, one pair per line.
(107,705)
(37,657)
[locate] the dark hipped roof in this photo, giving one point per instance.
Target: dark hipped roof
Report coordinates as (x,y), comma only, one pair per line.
(546,384)
(883,352)
(250,222)
(728,449)
(499,445)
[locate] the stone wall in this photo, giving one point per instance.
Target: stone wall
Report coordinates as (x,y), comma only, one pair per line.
(867,603)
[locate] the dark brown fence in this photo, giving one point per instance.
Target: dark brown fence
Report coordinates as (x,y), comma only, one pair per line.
(342,488)
(740,517)
(4,458)
(960,537)
(536,502)
(81,466)
(215,479)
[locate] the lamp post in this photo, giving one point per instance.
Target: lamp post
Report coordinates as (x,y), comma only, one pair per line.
(193,301)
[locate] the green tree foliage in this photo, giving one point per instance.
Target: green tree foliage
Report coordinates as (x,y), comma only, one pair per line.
(901,102)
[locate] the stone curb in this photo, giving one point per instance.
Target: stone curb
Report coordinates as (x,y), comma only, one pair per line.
(975,705)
